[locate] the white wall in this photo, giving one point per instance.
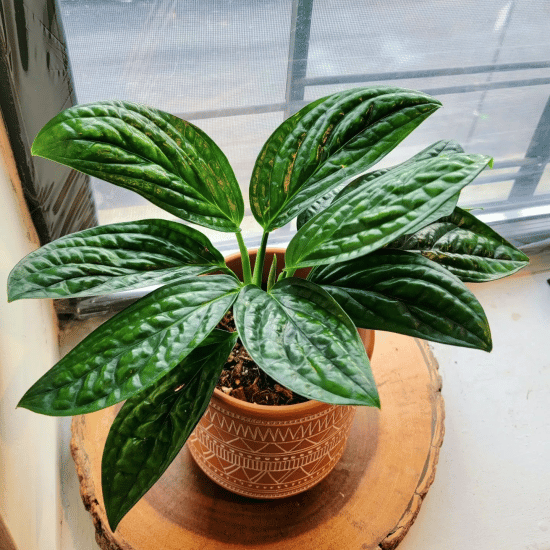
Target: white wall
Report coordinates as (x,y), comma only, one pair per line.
(29,494)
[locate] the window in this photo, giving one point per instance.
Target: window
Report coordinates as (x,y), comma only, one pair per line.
(236,69)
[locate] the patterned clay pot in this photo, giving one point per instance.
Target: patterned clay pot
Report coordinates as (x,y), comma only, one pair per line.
(271,451)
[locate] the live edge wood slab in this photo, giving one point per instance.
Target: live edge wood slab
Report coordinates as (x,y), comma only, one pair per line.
(368,502)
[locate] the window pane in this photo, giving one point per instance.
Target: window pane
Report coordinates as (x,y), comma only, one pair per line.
(224,65)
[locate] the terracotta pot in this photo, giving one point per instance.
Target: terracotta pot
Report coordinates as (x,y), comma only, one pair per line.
(265,451)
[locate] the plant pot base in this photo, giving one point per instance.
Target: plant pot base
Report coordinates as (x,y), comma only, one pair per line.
(368,501)
(287,462)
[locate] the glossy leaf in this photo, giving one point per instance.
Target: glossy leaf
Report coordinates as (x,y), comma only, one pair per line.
(108,258)
(340,137)
(152,427)
(465,246)
(170,162)
(443,147)
(301,337)
(371,216)
(135,348)
(403,292)
(325,201)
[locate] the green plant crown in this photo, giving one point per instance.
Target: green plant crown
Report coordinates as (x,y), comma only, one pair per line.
(389,249)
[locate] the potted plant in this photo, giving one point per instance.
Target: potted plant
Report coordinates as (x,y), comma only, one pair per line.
(255,449)
(389,250)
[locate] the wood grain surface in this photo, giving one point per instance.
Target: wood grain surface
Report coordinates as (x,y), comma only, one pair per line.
(369,501)
(6,542)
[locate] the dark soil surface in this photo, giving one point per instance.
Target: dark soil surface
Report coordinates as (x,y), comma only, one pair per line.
(243,379)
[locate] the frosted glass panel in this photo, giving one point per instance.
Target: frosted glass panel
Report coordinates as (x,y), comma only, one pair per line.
(238,68)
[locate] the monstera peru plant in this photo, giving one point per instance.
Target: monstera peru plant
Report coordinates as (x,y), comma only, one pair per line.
(389,249)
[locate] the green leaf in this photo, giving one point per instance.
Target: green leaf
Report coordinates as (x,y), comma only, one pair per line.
(371,216)
(341,136)
(406,293)
(170,162)
(260,182)
(135,348)
(152,427)
(105,259)
(325,201)
(302,338)
(465,246)
(443,147)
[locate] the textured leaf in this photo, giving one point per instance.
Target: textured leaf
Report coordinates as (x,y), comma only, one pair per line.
(170,162)
(406,293)
(153,426)
(467,247)
(105,259)
(444,147)
(301,337)
(342,136)
(371,216)
(135,348)
(326,200)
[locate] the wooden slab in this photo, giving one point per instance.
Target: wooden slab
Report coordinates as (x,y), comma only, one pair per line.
(368,502)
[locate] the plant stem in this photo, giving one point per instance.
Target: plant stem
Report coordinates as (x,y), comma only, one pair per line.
(247,272)
(260,257)
(272,271)
(287,273)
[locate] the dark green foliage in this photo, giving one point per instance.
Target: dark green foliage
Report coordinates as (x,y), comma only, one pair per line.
(328,142)
(153,426)
(122,256)
(466,247)
(374,214)
(135,348)
(297,322)
(444,147)
(167,160)
(403,292)
(390,248)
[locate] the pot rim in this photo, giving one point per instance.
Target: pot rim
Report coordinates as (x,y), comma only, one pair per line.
(309,407)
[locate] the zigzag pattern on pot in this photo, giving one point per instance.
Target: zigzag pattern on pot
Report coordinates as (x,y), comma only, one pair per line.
(263,477)
(237,459)
(241,427)
(263,491)
(265,422)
